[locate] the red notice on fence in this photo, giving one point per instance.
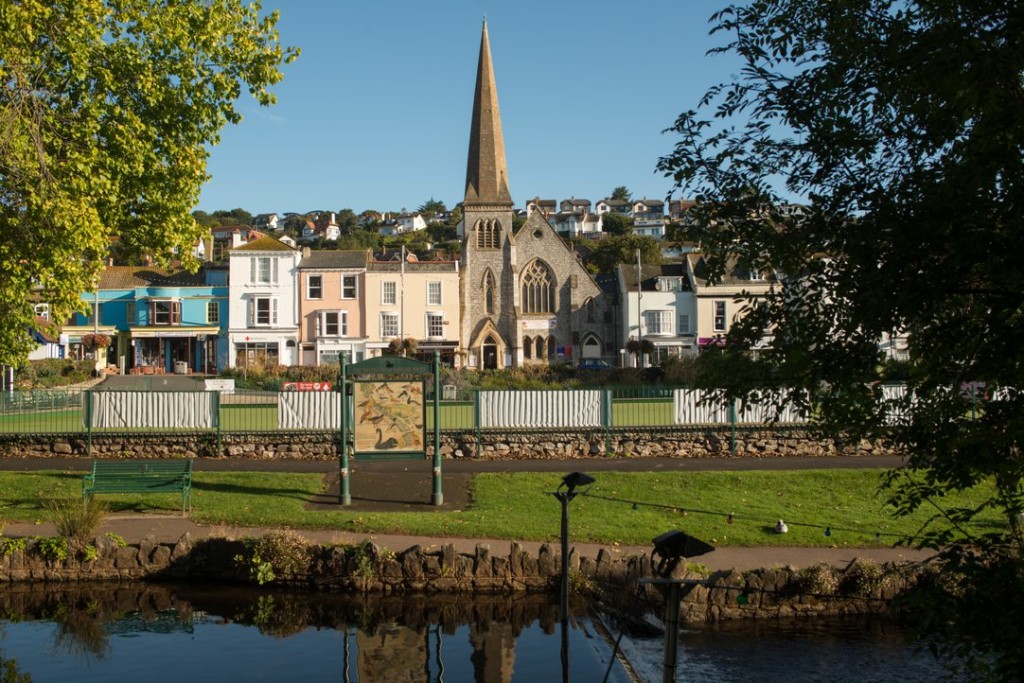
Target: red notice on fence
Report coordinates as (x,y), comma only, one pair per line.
(306,386)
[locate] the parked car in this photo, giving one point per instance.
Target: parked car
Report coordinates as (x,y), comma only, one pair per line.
(594,364)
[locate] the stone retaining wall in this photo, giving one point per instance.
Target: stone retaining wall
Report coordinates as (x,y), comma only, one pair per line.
(862,587)
(662,442)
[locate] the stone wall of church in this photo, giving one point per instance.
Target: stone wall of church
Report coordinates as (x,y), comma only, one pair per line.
(536,239)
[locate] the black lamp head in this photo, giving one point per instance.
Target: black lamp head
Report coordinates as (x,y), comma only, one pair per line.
(575,479)
(675,545)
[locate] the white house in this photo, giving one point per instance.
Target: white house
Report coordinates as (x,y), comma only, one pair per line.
(263,303)
(658,305)
(649,218)
(577,224)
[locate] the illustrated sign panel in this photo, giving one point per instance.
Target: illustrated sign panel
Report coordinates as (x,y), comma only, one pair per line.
(389,416)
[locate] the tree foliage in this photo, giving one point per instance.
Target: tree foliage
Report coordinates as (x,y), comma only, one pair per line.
(899,124)
(616,223)
(608,253)
(622,193)
(432,207)
(107,110)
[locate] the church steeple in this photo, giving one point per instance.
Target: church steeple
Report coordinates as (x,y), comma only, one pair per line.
(486,170)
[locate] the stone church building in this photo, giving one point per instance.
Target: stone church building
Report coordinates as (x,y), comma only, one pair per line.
(526,298)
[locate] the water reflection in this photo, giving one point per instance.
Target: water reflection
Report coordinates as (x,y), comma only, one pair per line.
(116,632)
(124,632)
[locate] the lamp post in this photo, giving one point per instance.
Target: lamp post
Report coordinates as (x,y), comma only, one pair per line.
(673,546)
(565,493)
(344,470)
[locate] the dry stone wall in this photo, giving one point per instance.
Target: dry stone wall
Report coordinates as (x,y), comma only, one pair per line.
(661,443)
(778,592)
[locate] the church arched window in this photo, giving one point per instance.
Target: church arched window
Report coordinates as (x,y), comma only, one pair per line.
(489,292)
(538,288)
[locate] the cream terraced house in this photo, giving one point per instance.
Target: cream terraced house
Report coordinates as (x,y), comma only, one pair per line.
(717,305)
(411,299)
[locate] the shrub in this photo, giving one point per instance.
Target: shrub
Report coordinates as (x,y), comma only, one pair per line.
(819,579)
(53,372)
(77,522)
(281,555)
(53,549)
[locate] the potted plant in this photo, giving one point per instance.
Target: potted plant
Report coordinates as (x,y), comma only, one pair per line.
(95,341)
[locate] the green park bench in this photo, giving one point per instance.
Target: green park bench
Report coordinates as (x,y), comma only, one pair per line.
(140,476)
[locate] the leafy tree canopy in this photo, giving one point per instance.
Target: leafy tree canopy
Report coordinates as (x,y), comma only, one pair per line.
(432,207)
(899,125)
(622,193)
(107,110)
(237,216)
(616,223)
(608,253)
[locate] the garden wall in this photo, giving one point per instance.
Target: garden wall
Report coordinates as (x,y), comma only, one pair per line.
(861,587)
(518,444)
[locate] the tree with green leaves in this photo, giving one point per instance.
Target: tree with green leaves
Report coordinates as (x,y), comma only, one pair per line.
(607,254)
(432,207)
(237,216)
(899,125)
(622,193)
(616,223)
(107,112)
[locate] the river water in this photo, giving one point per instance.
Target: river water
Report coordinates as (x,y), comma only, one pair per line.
(145,632)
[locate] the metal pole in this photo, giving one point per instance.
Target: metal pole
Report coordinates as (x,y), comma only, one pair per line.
(639,324)
(564,497)
(437,498)
(671,632)
(344,494)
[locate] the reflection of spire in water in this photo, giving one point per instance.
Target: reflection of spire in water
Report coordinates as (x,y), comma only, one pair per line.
(391,653)
(494,652)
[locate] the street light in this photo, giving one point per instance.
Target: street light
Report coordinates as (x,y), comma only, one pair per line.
(566,491)
(671,547)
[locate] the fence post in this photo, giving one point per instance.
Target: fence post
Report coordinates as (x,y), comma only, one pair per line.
(476,420)
(215,403)
(732,421)
(88,421)
(606,418)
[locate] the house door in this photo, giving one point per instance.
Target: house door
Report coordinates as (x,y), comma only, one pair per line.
(490,353)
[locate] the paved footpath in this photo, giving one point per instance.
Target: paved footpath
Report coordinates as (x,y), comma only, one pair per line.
(168,528)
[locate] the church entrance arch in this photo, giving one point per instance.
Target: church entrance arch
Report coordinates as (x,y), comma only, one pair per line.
(490,353)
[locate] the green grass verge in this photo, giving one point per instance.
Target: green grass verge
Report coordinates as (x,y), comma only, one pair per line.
(518,506)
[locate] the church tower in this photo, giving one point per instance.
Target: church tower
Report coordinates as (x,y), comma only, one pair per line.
(488,285)
(525,297)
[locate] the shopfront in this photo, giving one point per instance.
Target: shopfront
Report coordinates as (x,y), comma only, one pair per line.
(179,351)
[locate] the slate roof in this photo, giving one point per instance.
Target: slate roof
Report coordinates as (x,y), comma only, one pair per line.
(735,274)
(325,259)
(130,277)
(650,273)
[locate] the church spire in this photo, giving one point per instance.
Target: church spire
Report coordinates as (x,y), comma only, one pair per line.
(486,170)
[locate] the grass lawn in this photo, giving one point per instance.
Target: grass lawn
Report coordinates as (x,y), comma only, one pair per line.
(518,506)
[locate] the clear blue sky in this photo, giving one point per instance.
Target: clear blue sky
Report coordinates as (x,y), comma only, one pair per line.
(375,113)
